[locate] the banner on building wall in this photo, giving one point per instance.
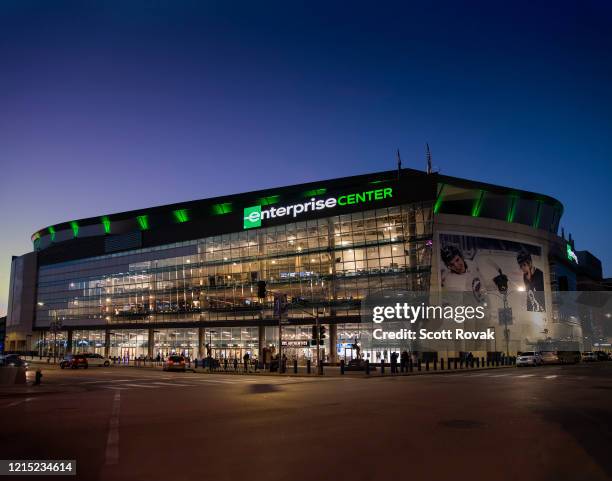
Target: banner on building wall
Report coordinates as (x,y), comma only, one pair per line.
(487,265)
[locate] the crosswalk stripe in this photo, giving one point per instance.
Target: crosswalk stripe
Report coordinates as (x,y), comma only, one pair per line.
(141,385)
(171,384)
(525,375)
(551,377)
(116,388)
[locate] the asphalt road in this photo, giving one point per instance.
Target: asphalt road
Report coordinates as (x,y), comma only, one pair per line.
(552,422)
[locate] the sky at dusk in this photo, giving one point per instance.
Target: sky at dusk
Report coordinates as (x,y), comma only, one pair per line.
(113,106)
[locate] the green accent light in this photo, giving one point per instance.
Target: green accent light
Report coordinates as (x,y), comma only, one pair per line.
(143,222)
(477,207)
(271,199)
(52,232)
(107,224)
(181,215)
(512,208)
(571,255)
(220,209)
(314,192)
(439,199)
(252,221)
(75,228)
(536,221)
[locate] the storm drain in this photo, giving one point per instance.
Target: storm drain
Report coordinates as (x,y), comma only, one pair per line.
(461,424)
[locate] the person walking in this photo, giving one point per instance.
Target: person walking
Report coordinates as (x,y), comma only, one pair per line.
(245,359)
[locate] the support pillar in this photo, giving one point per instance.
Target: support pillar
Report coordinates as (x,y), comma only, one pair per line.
(333,341)
(262,342)
(150,343)
(69,342)
(201,342)
(106,342)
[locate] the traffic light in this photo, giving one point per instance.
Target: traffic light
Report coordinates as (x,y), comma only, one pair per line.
(261,289)
(314,333)
(322,331)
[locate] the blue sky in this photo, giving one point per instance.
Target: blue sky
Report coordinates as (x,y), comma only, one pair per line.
(112,106)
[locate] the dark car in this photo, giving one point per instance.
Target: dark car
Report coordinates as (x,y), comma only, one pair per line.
(601,355)
(74,361)
(12,360)
(174,363)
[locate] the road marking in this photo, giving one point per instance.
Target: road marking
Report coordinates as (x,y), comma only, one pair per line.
(550,377)
(115,388)
(109,380)
(219,381)
(112,442)
(525,375)
(21,401)
(172,384)
(141,385)
(501,375)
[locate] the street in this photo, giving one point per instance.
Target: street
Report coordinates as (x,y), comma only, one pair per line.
(551,422)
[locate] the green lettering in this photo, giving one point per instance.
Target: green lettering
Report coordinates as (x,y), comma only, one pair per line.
(360,197)
(388,192)
(378,194)
(350,198)
(342,200)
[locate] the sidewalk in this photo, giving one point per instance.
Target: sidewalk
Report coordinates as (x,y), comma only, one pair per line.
(328,371)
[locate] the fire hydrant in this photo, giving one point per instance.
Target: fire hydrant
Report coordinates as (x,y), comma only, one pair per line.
(38,377)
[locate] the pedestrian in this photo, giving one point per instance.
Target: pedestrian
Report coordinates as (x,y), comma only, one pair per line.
(394,362)
(404,361)
(235,364)
(245,359)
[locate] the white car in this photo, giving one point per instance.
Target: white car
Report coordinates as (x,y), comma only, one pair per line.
(97,360)
(529,358)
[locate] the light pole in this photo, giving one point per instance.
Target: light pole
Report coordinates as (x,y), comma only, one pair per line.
(501,281)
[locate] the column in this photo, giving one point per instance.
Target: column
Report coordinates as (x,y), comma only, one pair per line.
(150,343)
(201,342)
(262,341)
(333,341)
(106,342)
(69,342)
(333,328)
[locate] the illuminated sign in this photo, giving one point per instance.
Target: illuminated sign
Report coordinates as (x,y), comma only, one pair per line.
(571,255)
(254,215)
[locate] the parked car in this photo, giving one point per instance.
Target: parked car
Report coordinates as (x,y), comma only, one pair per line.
(74,361)
(589,356)
(550,357)
(601,355)
(12,360)
(569,357)
(97,360)
(529,358)
(174,363)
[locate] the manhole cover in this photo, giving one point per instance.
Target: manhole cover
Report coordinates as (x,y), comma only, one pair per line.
(262,388)
(461,424)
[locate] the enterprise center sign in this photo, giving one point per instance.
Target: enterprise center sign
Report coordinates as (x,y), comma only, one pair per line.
(255,215)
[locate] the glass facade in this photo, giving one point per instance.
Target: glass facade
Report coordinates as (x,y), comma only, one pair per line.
(324,266)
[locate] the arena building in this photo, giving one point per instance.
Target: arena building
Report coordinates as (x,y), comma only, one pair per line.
(213,273)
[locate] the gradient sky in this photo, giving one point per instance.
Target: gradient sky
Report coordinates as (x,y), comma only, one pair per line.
(112,106)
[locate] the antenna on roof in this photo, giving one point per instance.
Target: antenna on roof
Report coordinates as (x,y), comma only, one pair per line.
(399,164)
(428,157)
